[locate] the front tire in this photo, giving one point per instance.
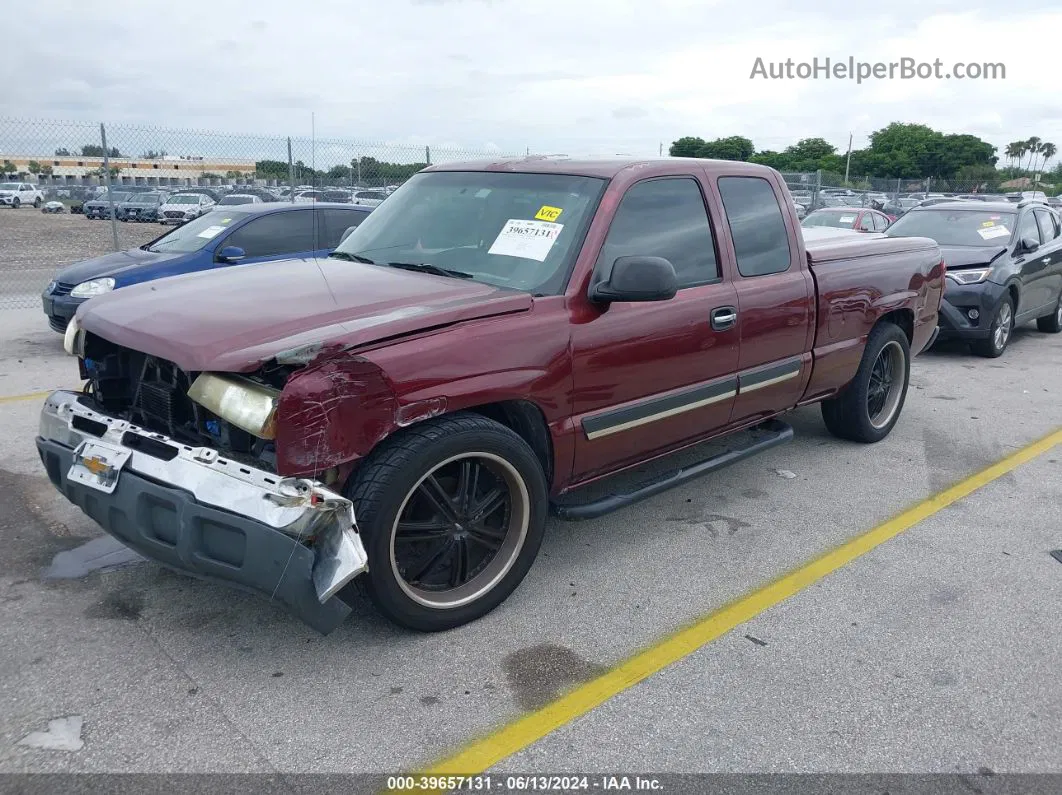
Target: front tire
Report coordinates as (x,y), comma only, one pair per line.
(1051,324)
(868,408)
(37,203)
(1001,332)
(452,513)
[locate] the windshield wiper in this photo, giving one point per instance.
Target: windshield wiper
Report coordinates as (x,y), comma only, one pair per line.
(427,267)
(351,257)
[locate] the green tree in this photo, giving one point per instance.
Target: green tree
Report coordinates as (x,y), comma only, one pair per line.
(46,170)
(33,167)
(735,147)
(271,169)
(1032,148)
(8,167)
(686,147)
(1048,150)
(1014,152)
(339,172)
(151,154)
(233,174)
(62,152)
(95,150)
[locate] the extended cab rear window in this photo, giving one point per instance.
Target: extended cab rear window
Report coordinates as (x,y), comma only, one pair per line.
(757,227)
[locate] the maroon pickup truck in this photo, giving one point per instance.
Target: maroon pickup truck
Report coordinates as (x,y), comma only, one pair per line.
(406,413)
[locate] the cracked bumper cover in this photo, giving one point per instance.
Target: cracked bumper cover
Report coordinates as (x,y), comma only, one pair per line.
(191,509)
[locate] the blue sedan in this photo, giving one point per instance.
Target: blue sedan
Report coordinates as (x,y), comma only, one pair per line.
(239,235)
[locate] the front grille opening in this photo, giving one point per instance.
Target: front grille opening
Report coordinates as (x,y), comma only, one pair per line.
(85,425)
(149,446)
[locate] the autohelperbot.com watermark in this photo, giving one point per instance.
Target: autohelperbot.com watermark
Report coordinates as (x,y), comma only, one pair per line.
(851,69)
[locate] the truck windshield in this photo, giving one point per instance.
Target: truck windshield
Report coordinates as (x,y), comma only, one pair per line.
(956,227)
(520,231)
(196,233)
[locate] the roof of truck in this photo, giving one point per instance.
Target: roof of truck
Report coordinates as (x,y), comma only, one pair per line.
(604,168)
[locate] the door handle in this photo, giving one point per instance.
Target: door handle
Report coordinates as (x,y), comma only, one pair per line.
(723,318)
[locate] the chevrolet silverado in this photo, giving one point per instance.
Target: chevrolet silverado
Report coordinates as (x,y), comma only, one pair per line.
(404,414)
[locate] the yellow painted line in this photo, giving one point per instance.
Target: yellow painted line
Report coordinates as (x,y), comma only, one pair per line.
(37,395)
(30,396)
(484,753)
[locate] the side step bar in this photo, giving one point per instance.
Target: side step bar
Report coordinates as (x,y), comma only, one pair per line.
(766,435)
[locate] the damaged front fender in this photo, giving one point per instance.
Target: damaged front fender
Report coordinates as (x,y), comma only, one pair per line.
(332,412)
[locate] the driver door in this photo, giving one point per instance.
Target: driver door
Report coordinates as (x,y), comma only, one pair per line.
(652,376)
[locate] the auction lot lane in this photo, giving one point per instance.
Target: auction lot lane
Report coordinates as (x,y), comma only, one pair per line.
(951,663)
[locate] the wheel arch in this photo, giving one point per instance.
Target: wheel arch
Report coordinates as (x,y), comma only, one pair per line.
(904,318)
(528,421)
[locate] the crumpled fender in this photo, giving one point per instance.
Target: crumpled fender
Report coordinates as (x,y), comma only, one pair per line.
(332,412)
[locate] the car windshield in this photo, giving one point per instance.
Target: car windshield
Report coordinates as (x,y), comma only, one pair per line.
(186,199)
(511,230)
(144,198)
(230,200)
(115,196)
(956,227)
(840,220)
(195,234)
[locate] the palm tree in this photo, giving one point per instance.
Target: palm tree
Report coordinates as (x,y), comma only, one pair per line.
(1014,151)
(1048,150)
(1032,146)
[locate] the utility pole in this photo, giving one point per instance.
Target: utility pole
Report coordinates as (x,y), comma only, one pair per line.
(848,160)
(107,182)
(661,153)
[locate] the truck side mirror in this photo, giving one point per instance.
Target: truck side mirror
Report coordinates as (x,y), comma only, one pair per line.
(636,279)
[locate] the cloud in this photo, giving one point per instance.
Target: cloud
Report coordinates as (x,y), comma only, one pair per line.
(494,75)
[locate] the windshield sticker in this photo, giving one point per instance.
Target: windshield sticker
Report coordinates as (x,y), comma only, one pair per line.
(211,231)
(527,239)
(988,223)
(482,193)
(547,213)
(847,219)
(987,233)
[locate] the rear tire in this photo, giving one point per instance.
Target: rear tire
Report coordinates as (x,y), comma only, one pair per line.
(441,552)
(16,203)
(868,408)
(1001,332)
(1052,324)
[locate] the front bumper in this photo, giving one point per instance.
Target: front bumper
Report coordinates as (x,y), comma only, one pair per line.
(290,540)
(954,320)
(8,200)
(59,309)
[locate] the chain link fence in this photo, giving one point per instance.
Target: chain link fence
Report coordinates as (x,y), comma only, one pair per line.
(76,163)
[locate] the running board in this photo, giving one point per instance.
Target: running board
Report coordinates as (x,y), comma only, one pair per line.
(766,435)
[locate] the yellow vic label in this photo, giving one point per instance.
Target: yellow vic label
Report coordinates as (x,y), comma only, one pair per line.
(547,213)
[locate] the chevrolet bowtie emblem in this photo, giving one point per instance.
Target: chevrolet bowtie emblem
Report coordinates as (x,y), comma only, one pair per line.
(96,465)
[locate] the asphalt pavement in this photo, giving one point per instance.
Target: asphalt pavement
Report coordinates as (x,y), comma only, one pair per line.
(937,651)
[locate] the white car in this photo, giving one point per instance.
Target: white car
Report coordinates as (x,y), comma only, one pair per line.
(238,198)
(308,196)
(368,198)
(183,207)
(16,194)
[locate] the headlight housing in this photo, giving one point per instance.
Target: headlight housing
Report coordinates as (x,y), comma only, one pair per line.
(969,275)
(91,288)
(74,338)
(246,404)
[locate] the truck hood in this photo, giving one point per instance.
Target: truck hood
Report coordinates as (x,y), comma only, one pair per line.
(233,319)
(956,257)
(114,264)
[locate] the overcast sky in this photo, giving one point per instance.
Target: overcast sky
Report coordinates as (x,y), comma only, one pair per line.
(578,76)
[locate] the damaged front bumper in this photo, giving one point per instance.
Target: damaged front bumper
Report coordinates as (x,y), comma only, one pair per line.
(290,540)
